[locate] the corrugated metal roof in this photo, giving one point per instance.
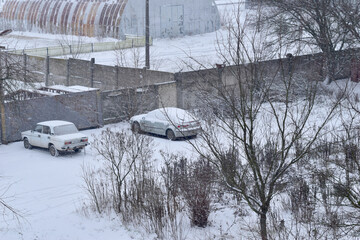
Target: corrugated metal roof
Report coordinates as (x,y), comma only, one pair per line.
(79,17)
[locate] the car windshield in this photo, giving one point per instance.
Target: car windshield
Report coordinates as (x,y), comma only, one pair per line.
(65,129)
(177,115)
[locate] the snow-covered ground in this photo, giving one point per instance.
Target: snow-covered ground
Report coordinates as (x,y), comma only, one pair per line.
(48,192)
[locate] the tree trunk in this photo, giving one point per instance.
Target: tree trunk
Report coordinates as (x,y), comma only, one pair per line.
(263,225)
(329,67)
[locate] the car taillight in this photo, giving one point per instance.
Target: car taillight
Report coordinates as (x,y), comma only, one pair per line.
(67,143)
(182,126)
(84,140)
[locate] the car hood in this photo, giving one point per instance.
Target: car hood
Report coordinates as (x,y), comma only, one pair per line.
(26,132)
(137,117)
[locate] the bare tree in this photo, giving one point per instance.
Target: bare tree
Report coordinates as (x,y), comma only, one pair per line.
(72,45)
(260,114)
(321,24)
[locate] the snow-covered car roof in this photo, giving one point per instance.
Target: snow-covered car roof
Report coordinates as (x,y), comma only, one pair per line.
(55,123)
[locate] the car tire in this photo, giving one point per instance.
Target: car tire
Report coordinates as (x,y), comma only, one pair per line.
(136,127)
(77,150)
(27,145)
(53,151)
(170,134)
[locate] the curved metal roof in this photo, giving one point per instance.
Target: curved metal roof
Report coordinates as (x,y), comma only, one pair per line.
(80,17)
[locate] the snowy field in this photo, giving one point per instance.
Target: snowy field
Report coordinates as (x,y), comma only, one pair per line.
(171,55)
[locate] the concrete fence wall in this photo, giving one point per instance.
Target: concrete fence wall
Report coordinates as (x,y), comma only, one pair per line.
(119,105)
(127,91)
(311,67)
(87,73)
(83,108)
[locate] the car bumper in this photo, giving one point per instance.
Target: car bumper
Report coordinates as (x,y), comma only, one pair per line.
(73,147)
(187,132)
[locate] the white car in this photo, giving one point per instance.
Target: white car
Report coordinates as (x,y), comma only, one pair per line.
(57,136)
(170,122)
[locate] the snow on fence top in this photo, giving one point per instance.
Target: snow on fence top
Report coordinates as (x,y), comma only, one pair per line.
(36,92)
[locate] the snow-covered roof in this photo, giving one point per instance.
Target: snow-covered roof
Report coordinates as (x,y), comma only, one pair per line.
(72,89)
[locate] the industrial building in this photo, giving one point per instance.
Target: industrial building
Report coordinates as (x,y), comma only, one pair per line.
(111,18)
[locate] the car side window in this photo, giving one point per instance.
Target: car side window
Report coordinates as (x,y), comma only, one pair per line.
(46,130)
(38,128)
(161,116)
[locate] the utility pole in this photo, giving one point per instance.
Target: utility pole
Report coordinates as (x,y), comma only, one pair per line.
(147,36)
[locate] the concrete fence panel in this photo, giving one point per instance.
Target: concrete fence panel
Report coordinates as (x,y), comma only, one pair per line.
(83,109)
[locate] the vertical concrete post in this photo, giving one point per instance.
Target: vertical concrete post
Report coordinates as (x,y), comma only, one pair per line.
(47,70)
(7,66)
(25,66)
(92,62)
(117,76)
(2,112)
(147,35)
(3,123)
(68,72)
(179,90)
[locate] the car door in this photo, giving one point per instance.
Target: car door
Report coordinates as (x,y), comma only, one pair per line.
(148,122)
(45,136)
(161,124)
(35,138)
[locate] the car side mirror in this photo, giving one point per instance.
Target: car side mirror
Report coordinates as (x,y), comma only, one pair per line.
(143,118)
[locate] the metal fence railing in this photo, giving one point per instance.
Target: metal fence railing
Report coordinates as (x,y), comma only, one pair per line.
(61,50)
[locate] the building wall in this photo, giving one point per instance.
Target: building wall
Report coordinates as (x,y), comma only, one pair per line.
(171,18)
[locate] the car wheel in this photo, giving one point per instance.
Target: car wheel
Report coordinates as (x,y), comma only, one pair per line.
(53,151)
(77,150)
(27,145)
(136,127)
(170,134)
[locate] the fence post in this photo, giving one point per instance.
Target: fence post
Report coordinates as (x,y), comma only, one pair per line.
(47,70)
(25,67)
(92,62)
(117,76)
(3,123)
(2,115)
(68,72)
(7,66)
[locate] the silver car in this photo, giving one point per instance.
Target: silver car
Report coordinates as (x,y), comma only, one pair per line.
(170,122)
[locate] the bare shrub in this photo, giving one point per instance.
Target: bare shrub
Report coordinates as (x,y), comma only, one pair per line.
(98,188)
(301,200)
(197,189)
(118,151)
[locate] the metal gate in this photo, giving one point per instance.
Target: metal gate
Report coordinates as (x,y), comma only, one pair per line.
(172,20)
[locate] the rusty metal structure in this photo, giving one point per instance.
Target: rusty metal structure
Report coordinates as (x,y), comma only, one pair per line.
(110,18)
